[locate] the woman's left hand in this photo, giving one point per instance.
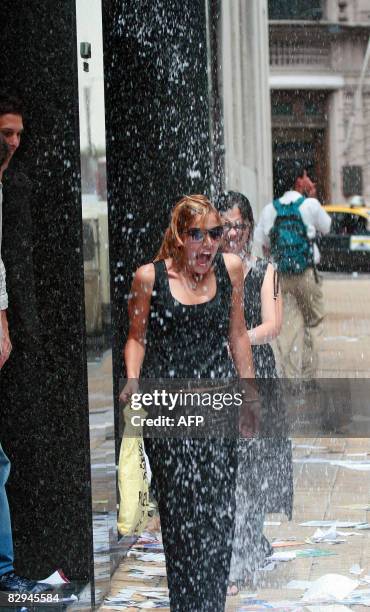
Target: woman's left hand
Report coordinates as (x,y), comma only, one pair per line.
(131,387)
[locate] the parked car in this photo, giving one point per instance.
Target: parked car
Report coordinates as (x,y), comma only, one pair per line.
(347,247)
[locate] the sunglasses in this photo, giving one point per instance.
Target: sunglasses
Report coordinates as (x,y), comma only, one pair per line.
(197,235)
(237,227)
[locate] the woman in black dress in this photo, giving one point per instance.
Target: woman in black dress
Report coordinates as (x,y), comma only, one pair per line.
(186,311)
(264,481)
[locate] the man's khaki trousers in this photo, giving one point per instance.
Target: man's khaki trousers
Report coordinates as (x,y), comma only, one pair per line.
(303,311)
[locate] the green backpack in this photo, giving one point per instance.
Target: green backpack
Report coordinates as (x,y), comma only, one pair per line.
(291,249)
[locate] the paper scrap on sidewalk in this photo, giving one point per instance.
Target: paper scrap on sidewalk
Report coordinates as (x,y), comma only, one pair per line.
(328,608)
(287,606)
(359,466)
(314,552)
(356,570)
(301,553)
(149,557)
(138,597)
(310,447)
(148,547)
(282,556)
(330,535)
(286,543)
(146,536)
(254,604)
(365,507)
(269,567)
(56,579)
(123,605)
(301,585)
(357,598)
(330,587)
(152,604)
(338,524)
(146,572)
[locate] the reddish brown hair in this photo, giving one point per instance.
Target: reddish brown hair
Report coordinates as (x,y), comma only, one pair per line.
(182,217)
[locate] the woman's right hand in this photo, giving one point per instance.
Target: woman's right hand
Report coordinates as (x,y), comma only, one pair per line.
(131,387)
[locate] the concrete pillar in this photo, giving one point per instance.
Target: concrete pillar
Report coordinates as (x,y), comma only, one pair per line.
(366,167)
(246,99)
(336,138)
(44,412)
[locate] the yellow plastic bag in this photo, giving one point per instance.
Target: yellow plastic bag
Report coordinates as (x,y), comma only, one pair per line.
(133,481)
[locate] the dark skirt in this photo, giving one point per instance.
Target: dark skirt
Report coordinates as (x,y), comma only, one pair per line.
(265,473)
(194,481)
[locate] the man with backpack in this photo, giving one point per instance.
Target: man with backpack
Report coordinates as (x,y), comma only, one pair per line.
(287,231)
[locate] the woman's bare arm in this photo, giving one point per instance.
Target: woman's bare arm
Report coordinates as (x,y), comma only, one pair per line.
(240,345)
(138,310)
(271,311)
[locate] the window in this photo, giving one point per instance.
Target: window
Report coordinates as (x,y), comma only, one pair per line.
(312,109)
(89,242)
(352,180)
(279,109)
(295,9)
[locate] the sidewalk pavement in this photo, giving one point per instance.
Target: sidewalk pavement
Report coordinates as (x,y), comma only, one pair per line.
(345,342)
(323,488)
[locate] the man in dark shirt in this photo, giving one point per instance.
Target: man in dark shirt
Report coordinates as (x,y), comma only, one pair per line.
(22,316)
(5,344)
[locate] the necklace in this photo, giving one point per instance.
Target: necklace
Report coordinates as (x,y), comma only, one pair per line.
(191,281)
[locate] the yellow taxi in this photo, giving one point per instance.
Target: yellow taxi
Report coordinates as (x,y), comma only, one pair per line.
(347,246)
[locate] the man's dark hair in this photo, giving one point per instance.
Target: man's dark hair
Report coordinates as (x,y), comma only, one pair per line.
(297,171)
(4,150)
(10,105)
(229,199)
(288,174)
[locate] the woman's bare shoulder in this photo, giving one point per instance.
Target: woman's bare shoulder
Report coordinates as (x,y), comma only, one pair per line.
(145,274)
(233,263)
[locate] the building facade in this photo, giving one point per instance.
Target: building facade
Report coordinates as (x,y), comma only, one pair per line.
(320,106)
(244,77)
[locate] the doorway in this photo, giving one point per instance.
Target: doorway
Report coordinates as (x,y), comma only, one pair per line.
(299,134)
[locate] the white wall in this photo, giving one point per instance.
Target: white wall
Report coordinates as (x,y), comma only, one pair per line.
(246,100)
(89,29)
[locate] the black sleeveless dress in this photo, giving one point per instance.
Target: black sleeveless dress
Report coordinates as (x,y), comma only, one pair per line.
(265,474)
(184,341)
(194,479)
(263,355)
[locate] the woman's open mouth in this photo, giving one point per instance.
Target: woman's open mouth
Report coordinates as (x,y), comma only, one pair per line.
(204,258)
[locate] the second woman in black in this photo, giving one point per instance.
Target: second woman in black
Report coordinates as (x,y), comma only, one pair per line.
(264,480)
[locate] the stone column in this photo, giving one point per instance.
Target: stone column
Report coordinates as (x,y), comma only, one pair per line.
(366,167)
(44,416)
(157,127)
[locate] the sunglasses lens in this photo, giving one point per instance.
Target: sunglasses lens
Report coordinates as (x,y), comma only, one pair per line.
(196,234)
(238,227)
(216,233)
